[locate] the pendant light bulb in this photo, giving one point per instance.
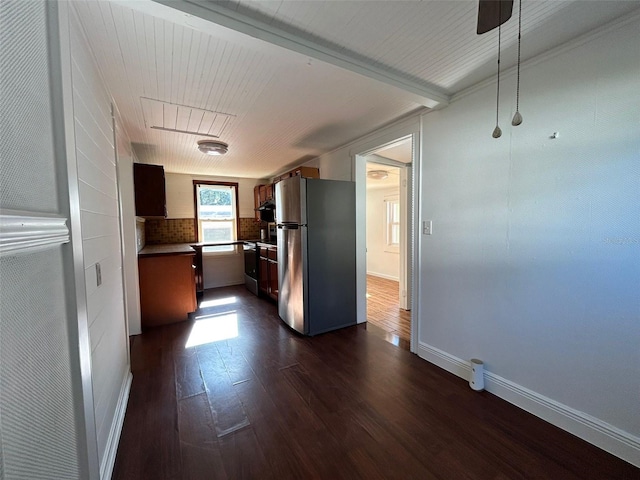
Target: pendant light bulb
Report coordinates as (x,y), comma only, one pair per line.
(517,119)
(497,133)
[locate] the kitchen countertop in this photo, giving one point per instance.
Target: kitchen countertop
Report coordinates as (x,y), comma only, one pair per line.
(215,244)
(264,242)
(189,248)
(166,249)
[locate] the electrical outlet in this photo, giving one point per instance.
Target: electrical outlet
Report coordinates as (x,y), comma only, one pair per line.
(98,274)
(427,227)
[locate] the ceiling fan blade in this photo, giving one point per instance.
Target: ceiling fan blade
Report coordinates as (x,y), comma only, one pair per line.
(492,13)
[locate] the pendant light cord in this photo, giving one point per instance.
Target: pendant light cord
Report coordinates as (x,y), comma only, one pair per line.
(498,88)
(519,39)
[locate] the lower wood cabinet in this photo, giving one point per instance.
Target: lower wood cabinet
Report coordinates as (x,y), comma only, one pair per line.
(268,271)
(273,279)
(167,288)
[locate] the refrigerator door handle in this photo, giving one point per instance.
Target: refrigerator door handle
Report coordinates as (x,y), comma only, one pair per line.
(289,226)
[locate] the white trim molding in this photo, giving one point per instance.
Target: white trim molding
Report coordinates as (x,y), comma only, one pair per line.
(109,459)
(24,232)
(591,429)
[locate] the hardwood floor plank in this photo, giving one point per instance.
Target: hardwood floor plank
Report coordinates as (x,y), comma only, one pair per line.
(384,312)
(272,404)
(189,381)
(151,423)
(199,448)
(226,408)
(243,457)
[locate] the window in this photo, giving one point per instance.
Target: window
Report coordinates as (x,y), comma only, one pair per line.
(392,223)
(216,214)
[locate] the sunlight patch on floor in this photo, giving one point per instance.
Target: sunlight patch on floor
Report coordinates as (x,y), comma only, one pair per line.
(213,328)
(217,302)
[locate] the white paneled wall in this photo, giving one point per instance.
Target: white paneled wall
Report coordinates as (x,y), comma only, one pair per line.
(42,422)
(98,190)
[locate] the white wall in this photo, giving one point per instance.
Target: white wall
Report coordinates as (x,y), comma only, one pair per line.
(94,144)
(380,260)
(222,270)
(534,263)
(179,188)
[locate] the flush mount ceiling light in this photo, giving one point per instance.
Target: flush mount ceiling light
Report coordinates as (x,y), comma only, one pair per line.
(212,147)
(377,174)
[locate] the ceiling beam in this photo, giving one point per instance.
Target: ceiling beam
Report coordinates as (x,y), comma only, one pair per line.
(424,94)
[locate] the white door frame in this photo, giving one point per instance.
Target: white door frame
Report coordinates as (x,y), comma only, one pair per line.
(404,196)
(412,241)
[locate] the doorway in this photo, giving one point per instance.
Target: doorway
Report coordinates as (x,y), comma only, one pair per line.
(388,241)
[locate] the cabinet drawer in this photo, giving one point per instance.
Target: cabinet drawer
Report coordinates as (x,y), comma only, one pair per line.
(263,252)
(272,254)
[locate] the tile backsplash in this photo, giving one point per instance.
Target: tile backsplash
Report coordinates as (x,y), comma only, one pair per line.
(183,230)
(249,229)
(170,230)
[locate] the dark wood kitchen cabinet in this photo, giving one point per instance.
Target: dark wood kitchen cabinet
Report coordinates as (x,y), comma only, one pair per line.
(273,279)
(167,288)
(150,196)
(268,270)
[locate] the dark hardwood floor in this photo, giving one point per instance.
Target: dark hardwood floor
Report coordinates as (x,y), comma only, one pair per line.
(384,312)
(262,402)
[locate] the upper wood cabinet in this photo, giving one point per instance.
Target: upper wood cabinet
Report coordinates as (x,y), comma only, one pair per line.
(149,190)
(256,202)
(306,172)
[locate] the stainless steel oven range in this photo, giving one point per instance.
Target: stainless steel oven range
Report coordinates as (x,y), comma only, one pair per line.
(251,267)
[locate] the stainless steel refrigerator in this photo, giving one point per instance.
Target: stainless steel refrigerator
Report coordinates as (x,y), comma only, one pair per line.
(316,225)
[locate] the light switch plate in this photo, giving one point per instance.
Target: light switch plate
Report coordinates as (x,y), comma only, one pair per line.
(427,227)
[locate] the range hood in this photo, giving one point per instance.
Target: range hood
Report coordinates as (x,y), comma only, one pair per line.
(268,205)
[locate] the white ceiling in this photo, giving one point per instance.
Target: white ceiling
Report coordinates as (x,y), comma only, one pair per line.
(330,72)
(392,180)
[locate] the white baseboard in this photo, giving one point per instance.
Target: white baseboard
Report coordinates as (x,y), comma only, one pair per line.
(224,283)
(382,275)
(109,459)
(591,429)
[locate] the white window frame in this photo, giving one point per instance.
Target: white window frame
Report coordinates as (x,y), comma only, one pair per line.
(390,202)
(222,249)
